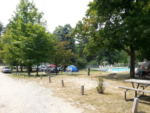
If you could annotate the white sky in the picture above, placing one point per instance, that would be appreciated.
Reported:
(56, 12)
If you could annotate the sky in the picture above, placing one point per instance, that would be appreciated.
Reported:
(56, 12)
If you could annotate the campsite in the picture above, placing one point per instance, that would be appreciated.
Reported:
(111, 101)
(89, 56)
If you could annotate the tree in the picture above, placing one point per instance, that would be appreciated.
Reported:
(5, 44)
(61, 55)
(62, 33)
(123, 25)
(1, 28)
(80, 34)
(36, 48)
(111, 56)
(27, 31)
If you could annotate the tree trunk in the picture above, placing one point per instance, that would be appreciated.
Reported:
(65, 67)
(56, 69)
(29, 68)
(132, 62)
(21, 68)
(17, 67)
(37, 70)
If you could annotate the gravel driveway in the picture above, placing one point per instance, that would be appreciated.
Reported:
(20, 96)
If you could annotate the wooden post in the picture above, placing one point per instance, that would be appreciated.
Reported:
(49, 79)
(88, 71)
(34, 76)
(82, 90)
(62, 83)
(135, 105)
(41, 76)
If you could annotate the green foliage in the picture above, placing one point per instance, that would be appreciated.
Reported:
(111, 56)
(1, 28)
(92, 62)
(117, 25)
(30, 43)
(100, 88)
(81, 62)
(120, 65)
(80, 34)
(62, 33)
(37, 44)
(61, 55)
(5, 44)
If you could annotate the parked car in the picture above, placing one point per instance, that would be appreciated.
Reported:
(6, 69)
(43, 68)
(51, 70)
(59, 68)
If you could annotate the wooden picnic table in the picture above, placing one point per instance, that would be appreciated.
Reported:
(142, 83)
(138, 81)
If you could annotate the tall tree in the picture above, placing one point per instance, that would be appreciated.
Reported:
(26, 30)
(62, 33)
(37, 47)
(80, 34)
(123, 26)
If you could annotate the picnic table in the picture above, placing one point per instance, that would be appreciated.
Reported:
(135, 85)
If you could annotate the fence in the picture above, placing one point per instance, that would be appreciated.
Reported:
(111, 68)
(91, 66)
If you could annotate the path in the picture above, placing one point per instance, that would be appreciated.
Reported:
(20, 96)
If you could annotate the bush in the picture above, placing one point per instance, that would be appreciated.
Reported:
(93, 62)
(81, 63)
(100, 88)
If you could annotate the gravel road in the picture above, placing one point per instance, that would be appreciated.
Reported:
(20, 96)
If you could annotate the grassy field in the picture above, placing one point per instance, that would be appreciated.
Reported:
(112, 101)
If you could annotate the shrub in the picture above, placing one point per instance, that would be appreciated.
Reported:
(100, 88)
(93, 62)
(81, 62)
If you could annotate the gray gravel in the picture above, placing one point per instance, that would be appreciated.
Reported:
(19, 96)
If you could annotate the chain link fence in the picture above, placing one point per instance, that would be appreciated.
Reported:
(111, 67)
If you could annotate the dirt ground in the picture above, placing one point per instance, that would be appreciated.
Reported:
(112, 101)
(23, 96)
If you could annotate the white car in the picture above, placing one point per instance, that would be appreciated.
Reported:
(41, 68)
(6, 70)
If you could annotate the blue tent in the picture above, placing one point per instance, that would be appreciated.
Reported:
(71, 68)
